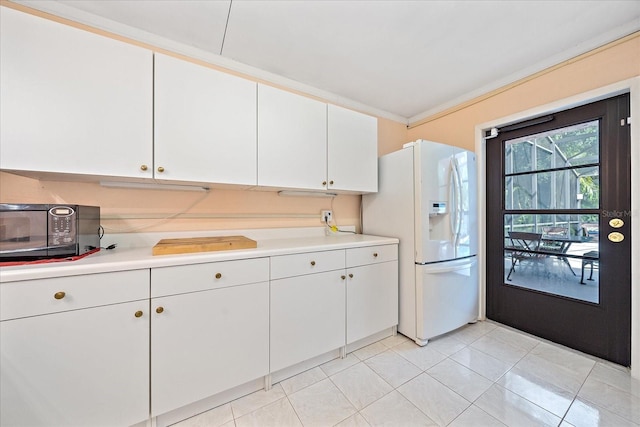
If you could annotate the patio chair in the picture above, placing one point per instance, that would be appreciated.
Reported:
(590, 258)
(524, 247)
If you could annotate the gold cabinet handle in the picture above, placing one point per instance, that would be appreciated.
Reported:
(375, 254)
(313, 263)
(324, 183)
(144, 167)
(343, 277)
(59, 295)
(159, 310)
(138, 313)
(218, 275)
(350, 275)
(160, 169)
(331, 182)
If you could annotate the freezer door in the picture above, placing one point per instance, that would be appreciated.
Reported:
(446, 297)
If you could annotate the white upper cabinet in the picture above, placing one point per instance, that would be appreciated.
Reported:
(352, 150)
(292, 140)
(204, 124)
(72, 101)
(75, 102)
(307, 144)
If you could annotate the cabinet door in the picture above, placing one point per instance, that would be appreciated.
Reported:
(72, 101)
(86, 367)
(203, 343)
(372, 299)
(307, 317)
(292, 140)
(205, 124)
(352, 150)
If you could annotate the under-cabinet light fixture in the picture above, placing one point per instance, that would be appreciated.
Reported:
(152, 186)
(297, 193)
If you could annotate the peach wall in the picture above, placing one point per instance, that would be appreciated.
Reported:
(134, 210)
(391, 136)
(614, 62)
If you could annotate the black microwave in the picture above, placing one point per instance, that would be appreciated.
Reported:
(34, 232)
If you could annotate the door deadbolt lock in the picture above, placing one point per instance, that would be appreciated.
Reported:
(616, 223)
(616, 237)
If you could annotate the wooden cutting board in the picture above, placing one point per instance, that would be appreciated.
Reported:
(202, 244)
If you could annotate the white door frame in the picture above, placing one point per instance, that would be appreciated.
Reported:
(633, 87)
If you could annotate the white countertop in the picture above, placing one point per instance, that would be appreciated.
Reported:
(121, 259)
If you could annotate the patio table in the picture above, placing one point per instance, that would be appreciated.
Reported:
(565, 243)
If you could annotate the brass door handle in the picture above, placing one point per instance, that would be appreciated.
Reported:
(160, 169)
(218, 275)
(313, 263)
(350, 275)
(616, 223)
(343, 277)
(616, 237)
(159, 310)
(138, 313)
(59, 295)
(144, 167)
(375, 254)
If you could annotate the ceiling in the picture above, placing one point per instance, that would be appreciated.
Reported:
(399, 59)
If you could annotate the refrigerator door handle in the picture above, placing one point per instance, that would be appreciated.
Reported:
(454, 200)
(456, 169)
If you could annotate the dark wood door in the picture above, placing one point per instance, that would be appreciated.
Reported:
(565, 181)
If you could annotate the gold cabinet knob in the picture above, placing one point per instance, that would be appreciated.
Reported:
(144, 167)
(331, 182)
(59, 295)
(160, 169)
(350, 275)
(375, 254)
(324, 183)
(138, 313)
(343, 277)
(313, 263)
(159, 310)
(218, 275)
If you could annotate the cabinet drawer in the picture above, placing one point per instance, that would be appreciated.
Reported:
(200, 277)
(43, 296)
(371, 255)
(307, 263)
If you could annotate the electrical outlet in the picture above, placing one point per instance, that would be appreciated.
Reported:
(326, 216)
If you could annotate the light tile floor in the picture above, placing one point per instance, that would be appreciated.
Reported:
(480, 375)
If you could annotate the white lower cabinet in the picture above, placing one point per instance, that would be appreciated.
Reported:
(82, 367)
(322, 301)
(117, 348)
(206, 342)
(372, 299)
(307, 317)
(372, 290)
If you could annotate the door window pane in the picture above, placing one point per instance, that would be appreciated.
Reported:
(553, 253)
(577, 188)
(571, 146)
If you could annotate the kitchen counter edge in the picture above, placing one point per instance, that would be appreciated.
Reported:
(141, 258)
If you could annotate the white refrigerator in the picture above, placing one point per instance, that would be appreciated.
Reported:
(427, 198)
